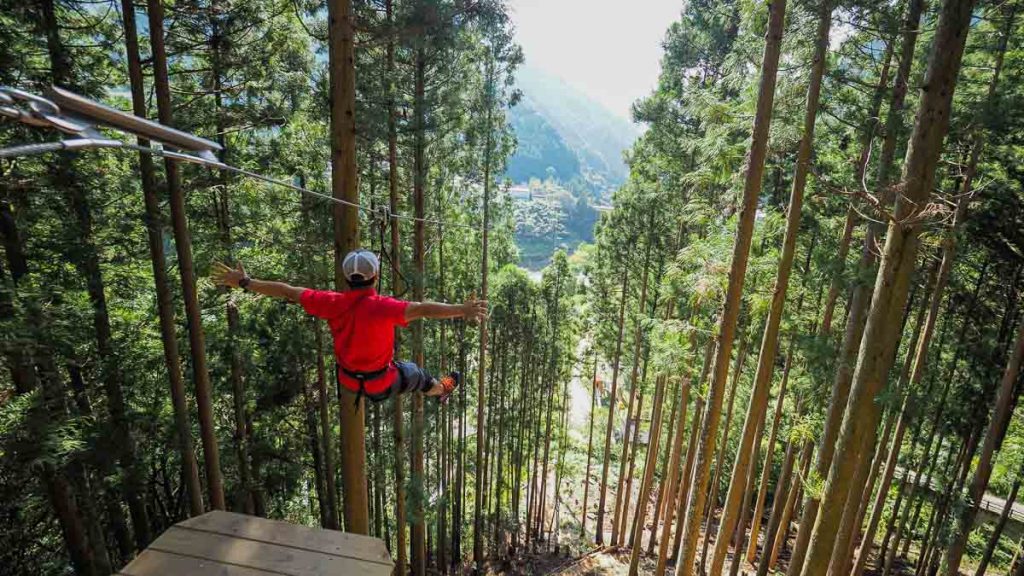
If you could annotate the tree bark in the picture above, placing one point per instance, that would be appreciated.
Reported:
(590, 452)
(659, 504)
(737, 369)
(183, 244)
(878, 346)
(164, 300)
(674, 478)
(997, 532)
(993, 438)
(769, 456)
(645, 487)
(737, 276)
(478, 542)
(621, 509)
(599, 539)
(859, 300)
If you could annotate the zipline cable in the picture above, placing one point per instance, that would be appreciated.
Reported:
(39, 112)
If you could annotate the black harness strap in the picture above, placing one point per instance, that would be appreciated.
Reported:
(363, 378)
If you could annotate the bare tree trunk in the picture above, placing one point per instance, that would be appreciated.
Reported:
(686, 484)
(599, 539)
(417, 527)
(993, 438)
(779, 502)
(625, 480)
(645, 487)
(859, 300)
(590, 452)
(674, 478)
(880, 339)
(740, 533)
(659, 504)
(397, 287)
(478, 541)
(737, 276)
(997, 532)
(769, 456)
(344, 186)
(164, 299)
(183, 244)
(791, 501)
(770, 340)
(737, 369)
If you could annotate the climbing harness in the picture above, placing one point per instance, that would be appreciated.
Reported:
(362, 378)
(81, 119)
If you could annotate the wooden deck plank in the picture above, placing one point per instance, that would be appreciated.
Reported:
(285, 534)
(271, 557)
(158, 563)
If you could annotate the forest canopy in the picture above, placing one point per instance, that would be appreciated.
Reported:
(794, 343)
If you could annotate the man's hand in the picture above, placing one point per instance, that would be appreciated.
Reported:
(223, 275)
(474, 310)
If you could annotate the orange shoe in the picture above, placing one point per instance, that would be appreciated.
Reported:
(448, 385)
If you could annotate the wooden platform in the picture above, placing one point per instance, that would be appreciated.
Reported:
(226, 544)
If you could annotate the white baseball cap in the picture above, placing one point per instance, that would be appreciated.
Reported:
(360, 266)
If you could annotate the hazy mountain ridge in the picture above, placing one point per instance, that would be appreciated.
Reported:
(559, 127)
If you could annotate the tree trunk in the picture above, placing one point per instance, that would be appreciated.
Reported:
(164, 300)
(183, 244)
(659, 504)
(648, 479)
(417, 528)
(686, 483)
(859, 300)
(779, 501)
(737, 369)
(769, 457)
(86, 259)
(993, 438)
(344, 187)
(621, 508)
(590, 452)
(870, 130)
(397, 287)
(1004, 401)
(997, 532)
(739, 537)
(632, 467)
(737, 276)
(611, 414)
(674, 478)
(770, 340)
(324, 405)
(478, 539)
(892, 461)
(794, 496)
(880, 339)
(316, 449)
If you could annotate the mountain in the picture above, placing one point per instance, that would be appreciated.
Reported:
(560, 128)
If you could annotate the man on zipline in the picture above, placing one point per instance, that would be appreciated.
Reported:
(363, 325)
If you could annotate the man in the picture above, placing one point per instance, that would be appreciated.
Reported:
(363, 325)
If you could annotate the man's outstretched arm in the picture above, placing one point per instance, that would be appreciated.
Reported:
(472, 310)
(235, 277)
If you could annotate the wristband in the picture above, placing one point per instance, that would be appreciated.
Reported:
(244, 283)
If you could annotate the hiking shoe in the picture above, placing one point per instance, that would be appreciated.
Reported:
(448, 384)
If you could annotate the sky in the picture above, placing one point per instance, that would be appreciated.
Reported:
(611, 51)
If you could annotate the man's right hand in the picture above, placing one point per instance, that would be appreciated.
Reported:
(474, 310)
(224, 275)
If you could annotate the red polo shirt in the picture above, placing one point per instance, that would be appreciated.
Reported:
(363, 326)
